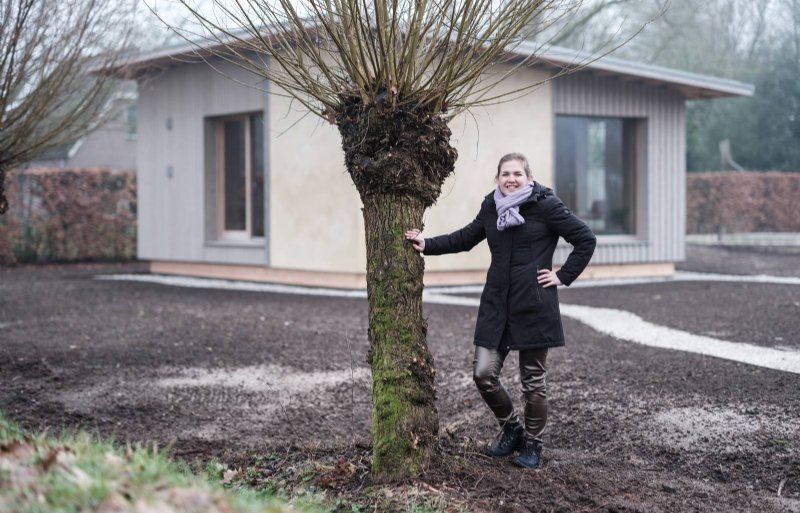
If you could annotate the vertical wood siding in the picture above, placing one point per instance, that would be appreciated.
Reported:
(172, 210)
(662, 197)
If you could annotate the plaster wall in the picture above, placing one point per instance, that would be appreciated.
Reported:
(315, 211)
(324, 231)
(524, 125)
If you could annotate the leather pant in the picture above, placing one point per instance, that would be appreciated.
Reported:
(486, 369)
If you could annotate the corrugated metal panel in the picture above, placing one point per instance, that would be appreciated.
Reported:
(680, 248)
(661, 236)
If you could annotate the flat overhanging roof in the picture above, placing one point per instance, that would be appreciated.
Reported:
(691, 85)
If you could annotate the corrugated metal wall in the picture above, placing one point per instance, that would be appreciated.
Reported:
(661, 190)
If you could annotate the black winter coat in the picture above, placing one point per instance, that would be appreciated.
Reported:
(515, 311)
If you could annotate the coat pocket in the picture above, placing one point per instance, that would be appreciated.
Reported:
(526, 294)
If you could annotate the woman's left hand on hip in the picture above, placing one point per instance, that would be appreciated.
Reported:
(548, 278)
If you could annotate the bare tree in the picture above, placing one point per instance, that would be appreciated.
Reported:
(754, 41)
(678, 34)
(47, 95)
(390, 74)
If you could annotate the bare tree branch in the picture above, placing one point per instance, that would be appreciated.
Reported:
(52, 83)
(423, 54)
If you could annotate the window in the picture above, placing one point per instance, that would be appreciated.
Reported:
(240, 176)
(596, 170)
(131, 121)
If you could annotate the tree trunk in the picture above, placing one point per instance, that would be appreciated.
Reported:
(404, 418)
(3, 199)
(398, 161)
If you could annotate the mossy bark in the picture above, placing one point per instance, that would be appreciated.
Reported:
(398, 161)
(3, 199)
(404, 417)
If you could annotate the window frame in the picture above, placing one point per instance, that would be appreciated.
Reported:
(218, 125)
(636, 156)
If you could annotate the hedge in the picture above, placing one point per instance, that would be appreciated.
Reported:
(734, 202)
(67, 215)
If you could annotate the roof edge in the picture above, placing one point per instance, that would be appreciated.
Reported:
(702, 85)
(711, 85)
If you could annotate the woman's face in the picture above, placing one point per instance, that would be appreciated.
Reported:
(511, 177)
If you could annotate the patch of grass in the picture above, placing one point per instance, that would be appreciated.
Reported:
(10, 432)
(76, 473)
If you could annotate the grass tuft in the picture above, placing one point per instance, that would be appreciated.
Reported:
(75, 472)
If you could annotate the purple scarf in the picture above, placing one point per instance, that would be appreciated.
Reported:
(508, 206)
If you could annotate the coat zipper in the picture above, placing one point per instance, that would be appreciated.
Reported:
(538, 294)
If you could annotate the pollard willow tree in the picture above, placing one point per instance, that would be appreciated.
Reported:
(390, 74)
(48, 97)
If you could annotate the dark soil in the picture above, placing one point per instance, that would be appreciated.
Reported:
(762, 314)
(278, 385)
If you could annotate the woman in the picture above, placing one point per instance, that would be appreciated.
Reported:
(522, 221)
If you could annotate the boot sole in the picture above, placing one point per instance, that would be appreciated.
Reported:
(499, 455)
(522, 465)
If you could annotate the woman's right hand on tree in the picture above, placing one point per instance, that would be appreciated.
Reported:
(415, 236)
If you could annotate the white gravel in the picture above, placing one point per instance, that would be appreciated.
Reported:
(703, 428)
(261, 378)
(627, 326)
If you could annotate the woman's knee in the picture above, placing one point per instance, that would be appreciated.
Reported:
(485, 379)
(486, 369)
(534, 384)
